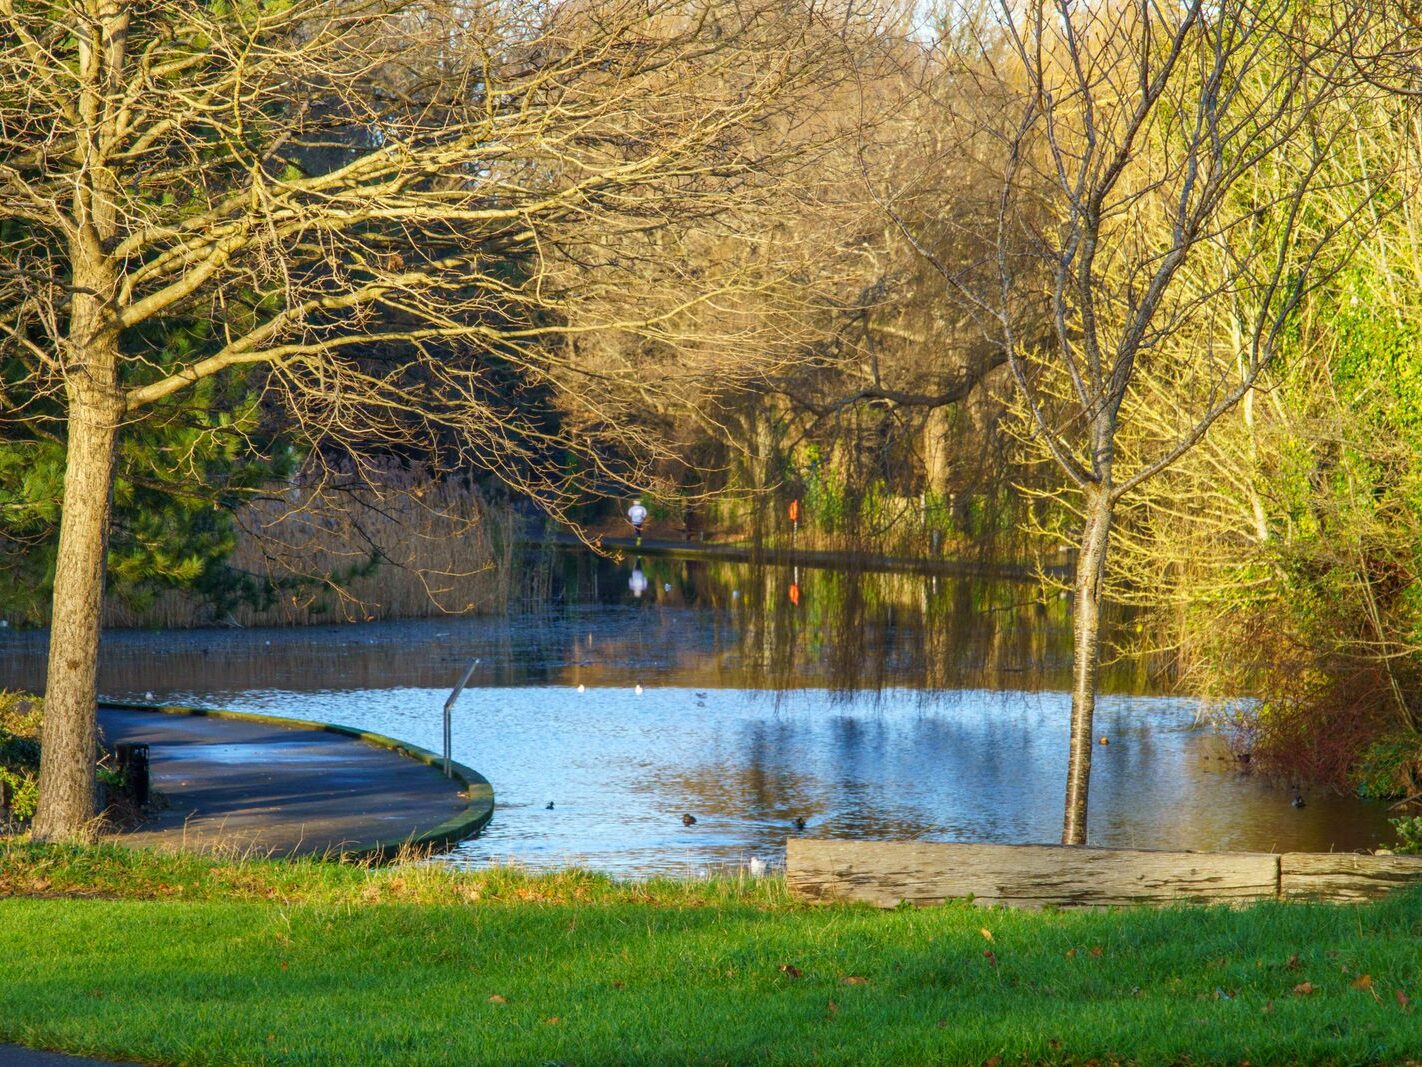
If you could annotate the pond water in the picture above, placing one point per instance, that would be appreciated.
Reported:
(872, 706)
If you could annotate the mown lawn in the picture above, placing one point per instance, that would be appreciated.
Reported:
(271, 963)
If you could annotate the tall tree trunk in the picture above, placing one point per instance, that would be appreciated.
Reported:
(69, 735)
(90, 355)
(761, 467)
(937, 451)
(763, 455)
(1086, 658)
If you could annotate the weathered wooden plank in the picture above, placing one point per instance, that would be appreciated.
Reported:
(1344, 876)
(1029, 876)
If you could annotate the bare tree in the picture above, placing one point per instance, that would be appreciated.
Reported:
(896, 386)
(387, 210)
(1130, 229)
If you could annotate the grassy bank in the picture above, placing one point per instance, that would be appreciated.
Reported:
(185, 960)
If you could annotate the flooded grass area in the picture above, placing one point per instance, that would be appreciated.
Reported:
(871, 706)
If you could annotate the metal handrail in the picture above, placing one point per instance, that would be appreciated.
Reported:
(448, 707)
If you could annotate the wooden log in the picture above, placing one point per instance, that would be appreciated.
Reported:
(1025, 876)
(1343, 876)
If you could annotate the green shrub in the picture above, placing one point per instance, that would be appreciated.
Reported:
(20, 715)
(1409, 835)
(1388, 767)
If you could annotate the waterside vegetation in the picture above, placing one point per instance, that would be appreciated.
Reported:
(20, 718)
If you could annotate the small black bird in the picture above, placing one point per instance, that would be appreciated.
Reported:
(688, 820)
(548, 806)
(1298, 800)
(799, 822)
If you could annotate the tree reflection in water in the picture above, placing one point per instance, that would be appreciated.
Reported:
(852, 630)
(881, 706)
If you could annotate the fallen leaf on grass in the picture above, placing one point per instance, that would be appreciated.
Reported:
(986, 933)
(1402, 999)
(1071, 953)
(494, 998)
(619, 985)
(992, 1061)
(854, 979)
(552, 1020)
(789, 970)
(1363, 981)
(988, 954)
(1293, 963)
(1096, 951)
(1304, 989)
(830, 1009)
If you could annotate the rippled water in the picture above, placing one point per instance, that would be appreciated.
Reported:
(980, 759)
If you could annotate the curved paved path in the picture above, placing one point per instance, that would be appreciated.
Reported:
(19, 1056)
(267, 788)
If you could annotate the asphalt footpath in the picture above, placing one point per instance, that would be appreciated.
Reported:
(261, 789)
(16, 1056)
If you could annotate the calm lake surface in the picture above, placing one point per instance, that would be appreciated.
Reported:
(873, 706)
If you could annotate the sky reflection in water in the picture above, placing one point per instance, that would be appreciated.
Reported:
(913, 759)
(974, 765)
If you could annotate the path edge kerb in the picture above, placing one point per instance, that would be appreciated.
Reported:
(459, 827)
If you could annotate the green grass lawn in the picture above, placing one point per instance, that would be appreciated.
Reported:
(310, 963)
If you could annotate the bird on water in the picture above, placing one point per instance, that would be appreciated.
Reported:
(799, 822)
(548, 806)
(688, 820)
